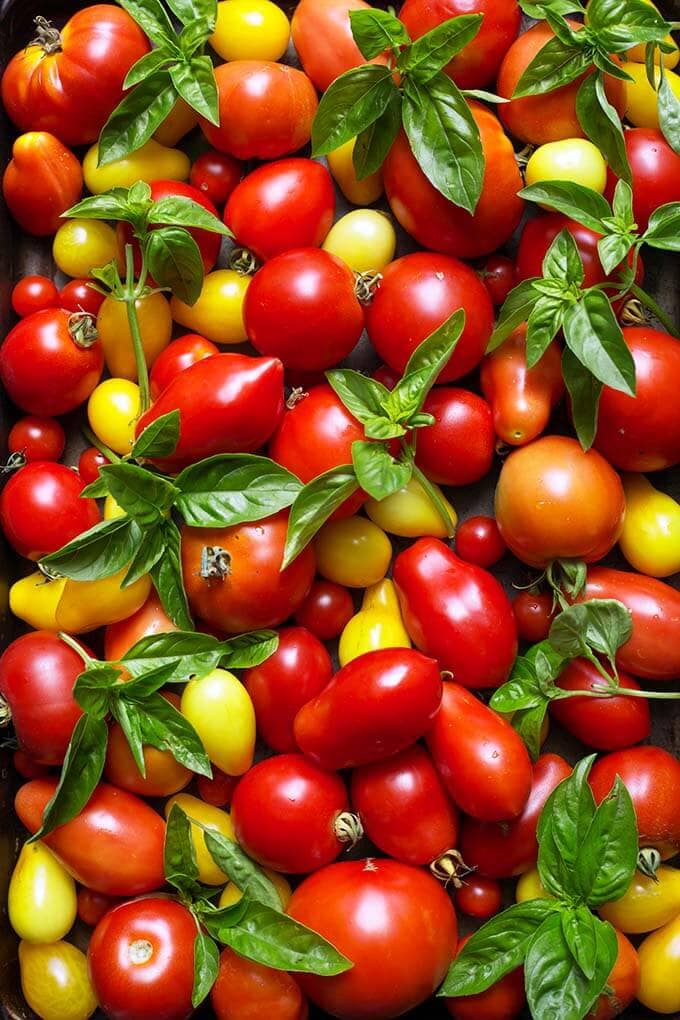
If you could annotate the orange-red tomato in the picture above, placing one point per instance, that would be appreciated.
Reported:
(622, 984)
(323, 39)
(164, 775)
(245, 990)
(42, 180)
(150, 619)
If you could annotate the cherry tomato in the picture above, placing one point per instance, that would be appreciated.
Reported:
(575, 160)
(623, 983)
(250, 30)
(182, 353)
(218, 790)
(34, 294)
(37, 438)
(655, 170)
(352, 551)
(78, 296)
(479, 541)
(498, 276)
(363, 238)
(41, 181)
(479, 896)
(220, 710)
(504, 1000)
(323, 39)
(112, 411)
(81, 245)
(215, 175)
(218, 312)
(458, 449)
(93, 905)
(326, 611)
(89, 463)
(534, 612)
(245, 990)
(604, 723)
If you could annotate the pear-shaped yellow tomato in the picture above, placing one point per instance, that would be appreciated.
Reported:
(410, 512)
(178, 123)
(642, 102)
(382, 595)
(219, 708)
(575, 160)
(112, 509)
(363, 238)
(155, 327)
(112, 411)
(81, 245)
(341, 165)
(55, 981)
(353, 552)
(659, 969)
(42, 896)
(76, 606)
(639, 53)
(530, 887)
(250, 30)
(650, 539)
(213, 818)
(647, 903)
(370, 630)
(218, 313)
(232, 894)
(151, 162)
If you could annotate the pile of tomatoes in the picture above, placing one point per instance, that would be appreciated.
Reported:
(351, 757)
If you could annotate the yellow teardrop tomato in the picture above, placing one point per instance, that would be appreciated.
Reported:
(34, 599)
(639, 55)
(112, 509)
(151, 162)
(82, 245)
(646, 904)
(575, 160)
(370, 630)
(364, 238)
(353, 552)
(340, 164)
(178, 123)
(530, 887)
(650, 539)
(659, 967)
(250, 30)
(112, 411)
(155, 327)
(42, 901)
(219, 708)
(232, 894)
(382, 595)
(213, 818)
(55, 981)
(641, 100)
(76, 606)
(218, 313)
(410, 512)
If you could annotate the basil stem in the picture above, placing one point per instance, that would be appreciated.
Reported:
(97, 443)
(435, 498)
(131, 293)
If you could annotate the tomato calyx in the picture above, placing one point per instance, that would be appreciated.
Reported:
(633, 313)
(82, 328)
(450, 867)
(348, 828)
(648, 862)
(366, 285)
(215, 563)
(5, 712)
(46, 36)
(244, 261)
(140, 952)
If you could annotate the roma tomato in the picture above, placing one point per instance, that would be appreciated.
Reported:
(215, 175)
(326, 611)
(374, 706)
(55, 981)
(155, 327)
(51, 361)
(295, 673)
(575, 160)
(245, 990)
(352, 551)
(37, 438)
(34, 294)
(437, 223)
(41, 899)
(498, 276)
(282, 205)
(556, 501)
(182, 353)
(41, 181)
(647, 904)
(457, 613)
(534, 612)
(659, 955)
(150, 619)
(151, 160)
(141, 960)
(479, 541)
(78, 296)
(502, 1001)
(220, 710)
(164, 775)
(250, 30)
(458, 449)
(479, 896)
(404, 808)
(416, 295)
(655, 170)
(399, 958)
(623, 983)
(607, 723)
(266, 110)
(323, 39)
(115, 844)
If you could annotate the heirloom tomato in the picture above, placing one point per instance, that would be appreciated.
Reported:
(655, 171)
(175, 125)
(458, 449)
(150, 161)
(575, 160)
(341, 165)
(411, 512)
(41, 181)
(55, 981)
(150, 619)
(245, 990)
(37, 438)
(606, 723)
(323, 39)
(215, 175)
(81, 245)
(34, 294)
(164, 774)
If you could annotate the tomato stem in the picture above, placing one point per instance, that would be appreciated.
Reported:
(626, 692)
(131, 294)
(436, 499)
(102, 447)
(655, 309)
(72, 643)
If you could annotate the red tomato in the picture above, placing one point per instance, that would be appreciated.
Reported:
(556, 501)
(655, 170)
(499, 277)
(41, 509)
(248, 589)
(89, 462)
(550, 116)
(78, 296)
(179, 355)
(323, 39)
(533, 614)
(437, 223)
(150, 619)
(502, 1001)
(164, 775)
(623, 982)
(41, 181)
(218, 790)
(245, 990)
(215, 175)
(606, 724)
(51, 361)
(282, 205)
(27, 767)
(500, 851)
(295, 673)
(44, 85)
(416, 295)
(37, 673)
(396, 924)
(458, 449)
(404, 808)
(479, 896)
(115, 844)
(93, 905)
(266, 109)
(301, 308)
(230, 403)
(326, 610)
(37, 438)
(376, 705)
(141, 961)
(479, 541)
(476, 65)
(642, 433)
(33, 294)
(652, 777)
(456, 612)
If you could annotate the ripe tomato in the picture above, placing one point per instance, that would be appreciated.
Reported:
(112, 411)
(606, 724)
(498, 276)
(555, 501)
(180, 354)
(141, 960)
(623, 983)
(363, 238)
(399, 958)
(81, 245)
(218, 312)
(647, 904)
(250, 30)
(218, 790)
(326, 610)
(533, 614)
(282, 205)
(458, 449)
(655, 170)
(502, 1001)
(575, 160)
(352, 551)
(155, 327)
(479, 541)
(323, 39)
(150, 619)
(479, 896)
(164, 775)
(89, 462)
(33, 294)
(658, 956)
(93, 905)
(51, 361)
(245, 990)
(55, 982)
(416, 295)
(27, 767)
(41, 181)
(215, 175)
(437, 223)
(78, 296)
(37, 438)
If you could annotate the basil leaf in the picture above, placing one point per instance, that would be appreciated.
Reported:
(148, 554)
(159, 438)
(600, 625)
(145, 683)
(152, 18)
(194, 35)
(602, 125)
(563, 261)
(377, 471)
(146, 66)
(578, 203)
(423, 369)
(555, 64)
(179, 855)
(433, 51)
(376, 31)
(188, 10)
(136, 117)
(95, 489)
(231, 488)
(538, 10)
(163, 727)
(191, 654)
(608, 857)
(206, 967)
(175, 262)
(112, 205)
(643, 20)
(127, 716)
(593, 334)
(176, 211)
(584, 395)
(543, 325)
(516, 310)
(242, 871)
(375, 141)
(249, 649)
(313, 506)
(92, 687)
(444, 139)
(669, 115)
(363, 397)
(484, 96)
(101, 551)
(351, 103)
(528, 724)
(622, 204)
(663, 230)
(195, 83)
(383, 428)
(578, 928)
(144, 496)
(613, 249)
(167, 578)
(520, 691)
(565, 818)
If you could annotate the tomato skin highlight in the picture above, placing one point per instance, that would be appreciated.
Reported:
(459, 448)
(606, 724)
(34, 294)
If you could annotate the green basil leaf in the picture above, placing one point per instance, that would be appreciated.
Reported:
(351, 103)
(608, 857)
(563, 261)
(242, 871)
(613, 250)
(146, 683)
(599, 625)
(167, 578)
(152, 18)
(136, 117)
(195, 83)
(433, 51)
(663, 230)
(484, 96)
(538, 10)
(92, 687)
(554, 65)
(159, 438)
(562, 29)
(146, 66)
(644, 22)
(190, 653)
(543, 325)
(249, 649)
(567, 815)
(516, 310)
(363, 397)
(376, 31)
(179, 855)
(602, 124)
(622, 204)
(206, 967)
(101, 551)
(375, 141)
(377, 471)
(383, 428)
(579, 930)
(444, 139)
(177, 211)
(619, 40)
(592, 332)
(189, 10)
(528, 724)
(423, 369)
(669, 115)
(175, 262)
(143, 495)
(194, 35)
(314, 505)
(231, 488)
(108, 274)
(96, 489)
(584, 394)
(111, 205)
(520, 691)
(163, 727)
(148, 554)
(127, 716)
(578, 203)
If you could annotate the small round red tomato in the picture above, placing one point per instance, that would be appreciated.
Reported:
(245, 990)
(33, 294)
(37, 438)
(282, 205)
(27, 767)
(623, 982)
(499, 277)
(479, 896)
(655, 170)
(533, 613)
(396, 923)
(93, 905)
(180, 354)
(51, 361)
(89, 462)
(323, 40)
(502, 1001)
(416, 295)
(326, 610)
(215, 175)
(141, 960)
(41, 509)
(295, 673)
(218, 789)
(458, 449)
(78, 296)
(479, 541)
(607, 723)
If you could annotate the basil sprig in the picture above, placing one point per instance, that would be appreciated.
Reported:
(587, 857)
(367, 103)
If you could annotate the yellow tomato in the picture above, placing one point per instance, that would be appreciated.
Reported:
(151, 162)
(650, 539)
(659, 967)
(55, 981)
(638, 53)
(352, 551)
(42, 896)
(80, 246)
(530, 887)
(218, 313)
(155, 327)
(179, 122)
(370, 630)
(575, 160)
(364, 238)
(641, 100)
(382, 595)
(250, 30)
(112, 509)
(410, 512)
(112, 410)
(213, 818)
(232, 894)
(340, 164)
(647, 904)
(219, 708)
(76, 606)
